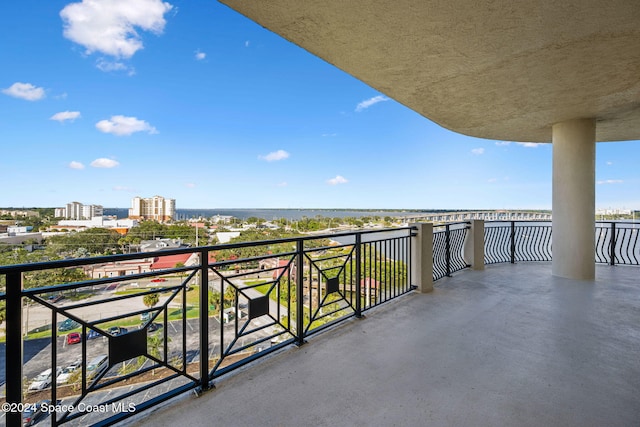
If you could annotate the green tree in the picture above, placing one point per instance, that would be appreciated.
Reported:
(151, 300)
(229, 296)
(214, 300)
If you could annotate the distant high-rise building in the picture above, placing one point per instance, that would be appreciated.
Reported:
(157, 208)
(76, 210)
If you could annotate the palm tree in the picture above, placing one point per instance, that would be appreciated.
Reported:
(150, 300)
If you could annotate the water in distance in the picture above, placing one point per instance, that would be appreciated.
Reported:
(270, 214)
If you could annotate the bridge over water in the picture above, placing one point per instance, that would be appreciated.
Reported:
(485, 215)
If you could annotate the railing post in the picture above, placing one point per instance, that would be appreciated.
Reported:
(300, 293)
(447, 236)
(474, 245)
(512, 242)
(358, 275)
(612, 241)
(204, 320)
(422, 257)
(14, 349)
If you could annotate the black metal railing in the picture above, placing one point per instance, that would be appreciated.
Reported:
(164, 331)
(512, 241)
(618, 243)
(156, 333)
(448, 249)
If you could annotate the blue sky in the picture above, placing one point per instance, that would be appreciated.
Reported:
(104, 100)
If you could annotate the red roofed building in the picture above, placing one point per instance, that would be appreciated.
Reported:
(369, 287)
(170, 261)
(284, 270)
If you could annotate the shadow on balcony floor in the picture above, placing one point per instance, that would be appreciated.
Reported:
(508, 346)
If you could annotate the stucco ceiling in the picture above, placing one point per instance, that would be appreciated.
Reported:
(502, 69)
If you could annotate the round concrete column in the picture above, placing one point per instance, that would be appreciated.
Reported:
(574, 158)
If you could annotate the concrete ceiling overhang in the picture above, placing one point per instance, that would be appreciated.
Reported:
(503, 69)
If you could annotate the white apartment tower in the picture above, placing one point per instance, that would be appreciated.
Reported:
(77, 211)
(156, 208)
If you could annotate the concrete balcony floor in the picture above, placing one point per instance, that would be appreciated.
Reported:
(508, 346)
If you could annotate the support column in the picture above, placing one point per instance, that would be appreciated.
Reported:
(422, 257)
(574, 157)
(474, 245)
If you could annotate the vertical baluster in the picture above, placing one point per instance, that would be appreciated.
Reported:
(612, 242)
(204, 322)
(358, 276)
(513, 242)
(14, 350)
(447, 251)
(300, 293)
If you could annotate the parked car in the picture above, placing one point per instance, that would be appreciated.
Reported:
(73, 338)
(55, 298)
(43, 380)
(35, 412)
(152, 327)
(93, 334)
(117, 330)
(97, 365)
(145, 316)
(158, 279)
(64, 376)
(67, 325)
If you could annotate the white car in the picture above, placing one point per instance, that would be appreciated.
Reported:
(65, 374)
(43, 380)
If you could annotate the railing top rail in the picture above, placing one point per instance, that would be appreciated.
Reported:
(508, 221)
(76, 262)
(437, 228)
(619, 222)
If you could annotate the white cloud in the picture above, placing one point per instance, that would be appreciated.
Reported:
(609, 163)
(330, 135)
(337, 180)
(190, 185)
(275, 156)
(121, 125)
(104, 163)
(246, 43)
(65, 115)
(477, 151)
(111, 26)
(76, 165)
(369, 102)
(524, 144)
(200, 55)
(107, 66)
(492, 180)
(610, 181)
(24, 91)
(283, 184)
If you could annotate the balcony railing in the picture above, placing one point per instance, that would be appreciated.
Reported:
(165, 332)
(448, 248)
(512, 241)
(617, 243)
(203, 318)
